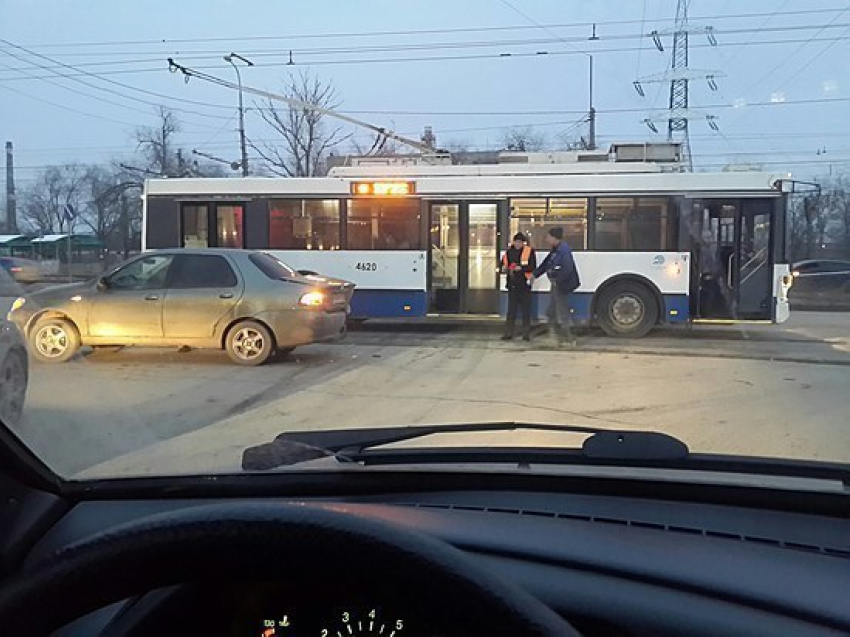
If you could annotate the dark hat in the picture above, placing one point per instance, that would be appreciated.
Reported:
(520, 237)
(556, 232)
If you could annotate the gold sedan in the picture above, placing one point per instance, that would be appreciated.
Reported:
(246, 302)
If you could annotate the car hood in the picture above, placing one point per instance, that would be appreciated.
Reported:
(59, 292)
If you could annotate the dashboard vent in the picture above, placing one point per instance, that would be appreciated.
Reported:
(642, 524)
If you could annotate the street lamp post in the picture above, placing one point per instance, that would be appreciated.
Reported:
(231, 59)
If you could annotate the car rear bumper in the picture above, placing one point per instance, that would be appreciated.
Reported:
(303, 327)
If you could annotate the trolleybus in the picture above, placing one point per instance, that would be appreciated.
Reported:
(651, 246)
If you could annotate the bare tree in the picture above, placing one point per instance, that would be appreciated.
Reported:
(103, 190)
(840, 209)
(523, 139)
(44, 202)
(305, 136)
(157, 143)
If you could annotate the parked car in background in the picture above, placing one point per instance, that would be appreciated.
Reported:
(821, 283)
(21, 270)
(14, 373)
(247, 302)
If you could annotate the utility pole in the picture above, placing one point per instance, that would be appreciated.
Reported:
(11, 212)
(678, 103)
(230, 58)
(591, 113)
(679, 76)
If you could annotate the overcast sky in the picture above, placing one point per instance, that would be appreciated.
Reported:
(105, 59)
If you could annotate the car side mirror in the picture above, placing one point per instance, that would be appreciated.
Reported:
(102, 284)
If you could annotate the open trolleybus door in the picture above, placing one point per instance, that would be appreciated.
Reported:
(734, 256)
(463, 254)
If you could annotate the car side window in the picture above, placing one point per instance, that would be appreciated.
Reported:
(147, 273)
(203, 271)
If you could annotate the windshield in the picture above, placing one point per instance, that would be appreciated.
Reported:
(222, 224)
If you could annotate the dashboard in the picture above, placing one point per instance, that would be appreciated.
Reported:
(328, 607)
(608, 564)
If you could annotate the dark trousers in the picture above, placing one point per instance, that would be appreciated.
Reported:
(558, 315)
(519, 298)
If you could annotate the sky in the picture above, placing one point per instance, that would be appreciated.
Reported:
(78, 78)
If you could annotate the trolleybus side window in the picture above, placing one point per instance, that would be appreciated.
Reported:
(655, 224)
(384, 224)
(304, 224)
(639, 224)
(534, 217)
(195, 226)
(229, 225)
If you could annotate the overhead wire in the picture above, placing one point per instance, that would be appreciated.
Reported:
(504, 55)
(65, 107)
(782, 63)
(642, 36)
(89, 95)
(361, 34)
(109, 81)
(812, 60)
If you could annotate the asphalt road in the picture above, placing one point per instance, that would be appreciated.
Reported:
(766, 390)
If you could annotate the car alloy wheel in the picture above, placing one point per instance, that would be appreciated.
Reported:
(248, 343)
(52, 340)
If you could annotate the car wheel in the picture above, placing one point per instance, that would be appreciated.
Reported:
(13, 386)
(54, 340)
(249, 343)
(626, 309)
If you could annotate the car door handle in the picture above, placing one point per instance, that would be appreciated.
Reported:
(152, 297)
(225, 295)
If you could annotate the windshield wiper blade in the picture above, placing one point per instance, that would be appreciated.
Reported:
(351, 445)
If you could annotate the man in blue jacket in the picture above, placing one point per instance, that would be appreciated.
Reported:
(560, 267)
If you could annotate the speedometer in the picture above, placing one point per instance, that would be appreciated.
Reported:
(366, 622)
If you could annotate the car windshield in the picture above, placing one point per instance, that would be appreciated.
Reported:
(237, 239)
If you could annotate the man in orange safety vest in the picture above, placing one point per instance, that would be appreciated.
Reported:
(518, 263)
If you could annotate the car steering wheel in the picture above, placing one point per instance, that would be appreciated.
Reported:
(247, 541)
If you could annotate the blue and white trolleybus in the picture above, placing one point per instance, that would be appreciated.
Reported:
(651, 246)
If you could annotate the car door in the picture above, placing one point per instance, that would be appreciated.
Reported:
(203, 291)
(128, 307)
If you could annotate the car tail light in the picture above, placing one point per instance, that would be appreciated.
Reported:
(313, 299)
